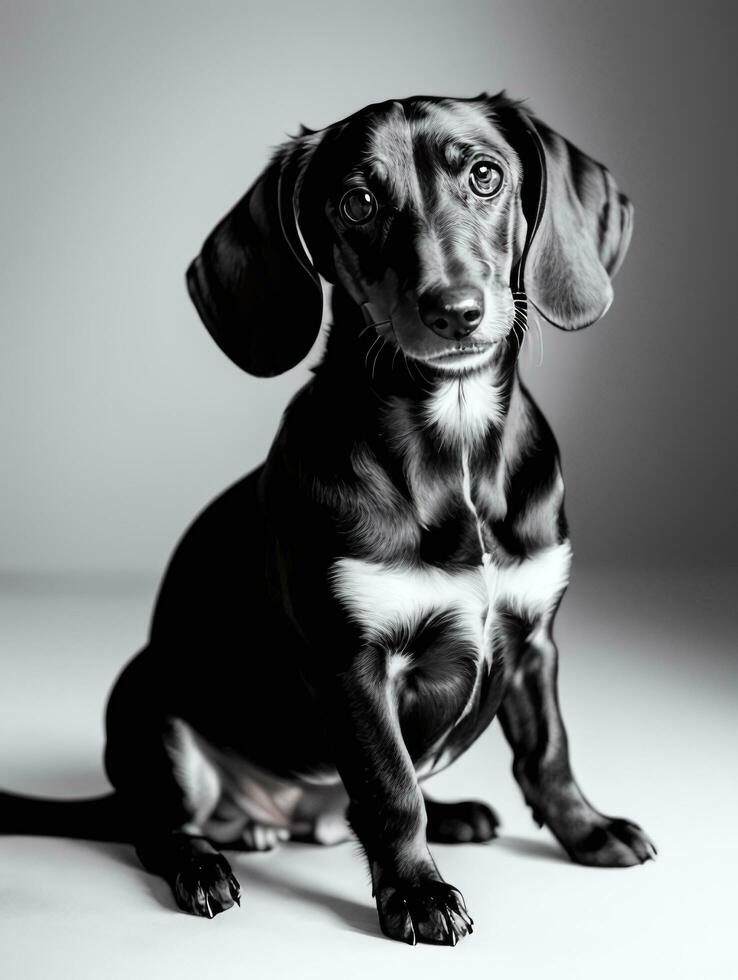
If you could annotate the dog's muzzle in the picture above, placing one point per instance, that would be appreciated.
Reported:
(452, 313)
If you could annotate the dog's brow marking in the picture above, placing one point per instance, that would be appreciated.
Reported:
(392, 150)
(467, 127)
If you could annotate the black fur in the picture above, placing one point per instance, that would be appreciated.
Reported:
(254, 658)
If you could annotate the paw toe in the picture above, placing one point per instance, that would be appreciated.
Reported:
(262, 837)
(206, 887)
(433, 913)
(615, 843)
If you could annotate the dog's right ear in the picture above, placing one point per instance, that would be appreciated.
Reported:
(253, 283)
(579, 224)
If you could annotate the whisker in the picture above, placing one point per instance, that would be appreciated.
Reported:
(519, 329)
(374, 324)
(422, 375)
(411, 365)
(378, 354)
(537, 323)
(366, 359)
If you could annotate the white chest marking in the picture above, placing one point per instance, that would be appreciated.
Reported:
(466, 490)
(383, 598)
(463, 409)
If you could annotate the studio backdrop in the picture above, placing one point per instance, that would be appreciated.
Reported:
(129, 129)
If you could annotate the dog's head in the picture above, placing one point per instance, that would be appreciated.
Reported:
(437, 216)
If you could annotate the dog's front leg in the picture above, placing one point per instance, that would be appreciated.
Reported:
(532, 722)
(387, 811)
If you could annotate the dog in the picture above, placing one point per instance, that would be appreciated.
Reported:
(347, 619)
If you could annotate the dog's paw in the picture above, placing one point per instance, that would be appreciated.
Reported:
(612, 843)
(263, 837)
(460, 823)
(205, 885)
(433, 912)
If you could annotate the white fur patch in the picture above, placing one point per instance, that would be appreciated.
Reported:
(466, 490)
(382, 598)
(398, 664)
(195, 774)
(533, 585)
(463, 409)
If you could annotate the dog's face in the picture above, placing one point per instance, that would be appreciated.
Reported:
(426, 221)
(438, 217)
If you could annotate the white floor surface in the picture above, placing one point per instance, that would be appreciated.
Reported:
(649, 695)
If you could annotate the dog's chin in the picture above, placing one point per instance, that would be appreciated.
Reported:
(479, 351)
(464, 359)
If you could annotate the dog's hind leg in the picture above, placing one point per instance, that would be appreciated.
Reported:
(168, 790)
(200, 877)
(320, 816)
(531, 719)
(467, 822)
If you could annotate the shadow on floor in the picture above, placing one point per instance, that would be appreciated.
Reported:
(355, 916)
(282, 880)
(537, 849)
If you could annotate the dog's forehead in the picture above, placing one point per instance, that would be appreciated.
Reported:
(443, 131)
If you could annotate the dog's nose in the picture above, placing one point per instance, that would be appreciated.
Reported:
(452, 313)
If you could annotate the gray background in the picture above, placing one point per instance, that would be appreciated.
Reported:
(127, 130)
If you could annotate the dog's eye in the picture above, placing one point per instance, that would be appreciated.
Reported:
(485, 178)
(358, 206)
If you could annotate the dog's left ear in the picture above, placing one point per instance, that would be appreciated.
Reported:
(253, 283)
(579, 224)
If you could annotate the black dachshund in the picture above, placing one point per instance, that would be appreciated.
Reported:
(348, 619)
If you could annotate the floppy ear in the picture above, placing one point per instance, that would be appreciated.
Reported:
(579, 224)
(253, 283)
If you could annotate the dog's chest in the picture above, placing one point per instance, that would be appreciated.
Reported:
(392, 602)
(453, 469)
(458, 571)
(438, 630)
(437, 607)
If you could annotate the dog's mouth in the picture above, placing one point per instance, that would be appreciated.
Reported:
(460, 352)
(462, 358)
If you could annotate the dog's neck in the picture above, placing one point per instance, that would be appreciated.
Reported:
(451, 410)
